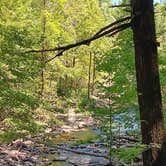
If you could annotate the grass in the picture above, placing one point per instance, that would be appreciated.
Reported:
(8, 136)
(86, 137)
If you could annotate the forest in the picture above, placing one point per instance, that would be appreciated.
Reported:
(82, 82)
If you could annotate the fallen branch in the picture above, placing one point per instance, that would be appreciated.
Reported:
(129, 138)
(79, 152)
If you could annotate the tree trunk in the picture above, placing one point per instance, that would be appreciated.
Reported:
(74, 62)
(100, 3)
(94, 73)
(89, 74)
(148, 84)
(43, 56)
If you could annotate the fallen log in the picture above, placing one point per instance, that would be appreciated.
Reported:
(79, 152)
(129, 138)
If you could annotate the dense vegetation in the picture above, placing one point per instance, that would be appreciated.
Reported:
(97, 80)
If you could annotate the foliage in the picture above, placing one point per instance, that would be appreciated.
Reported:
(33, 24)
(128, 155)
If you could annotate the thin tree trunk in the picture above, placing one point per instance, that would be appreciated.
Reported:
(42, 83)
(148, 84)
(89, 74)
(100, 3)
(74, 62)
(50, 82)
(43, 56)
(94, 73)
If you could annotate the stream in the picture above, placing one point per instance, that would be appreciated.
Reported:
(79, 142)
(74, 152)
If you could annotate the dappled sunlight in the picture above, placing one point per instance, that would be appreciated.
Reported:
(80, 82)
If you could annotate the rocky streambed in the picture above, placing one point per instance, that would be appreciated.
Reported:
(65, 149)
(78, 143)
(29, 152)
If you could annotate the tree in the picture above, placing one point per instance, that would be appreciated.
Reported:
(148, 84)
(43, 56)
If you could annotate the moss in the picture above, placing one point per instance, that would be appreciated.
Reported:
(76, 138)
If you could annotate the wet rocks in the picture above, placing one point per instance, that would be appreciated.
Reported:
(61, 158)
(82, 146)
(89, 161)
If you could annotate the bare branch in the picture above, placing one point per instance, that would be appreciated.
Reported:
(108, 31)
(112, 24)
(122, 27)
(119, 30)
(84, 42)
(126, 10)
(57, 55)
(123, 5)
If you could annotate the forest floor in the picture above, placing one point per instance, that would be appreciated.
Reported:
(78, 142)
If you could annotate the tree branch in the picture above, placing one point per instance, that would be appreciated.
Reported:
(126, 10)
(112, 24)
(123, 5)
(84, 42)
(110, 33)
(57, 55)
(118, 30)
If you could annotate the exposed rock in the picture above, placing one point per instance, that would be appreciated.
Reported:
(99, 151)
(28, 163)
(29, 143)
(61, 158)
(18, 144)
(88, 160)
(82, 146)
